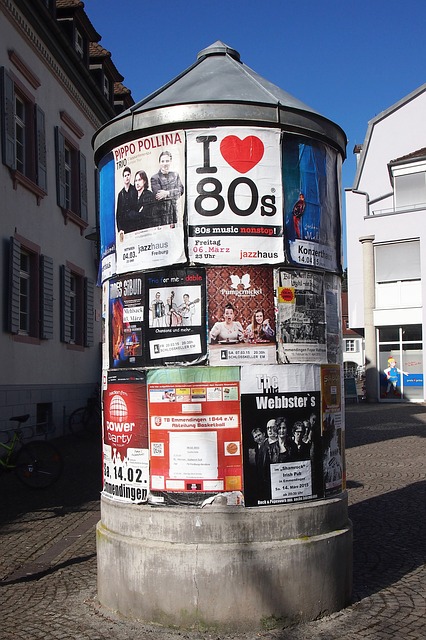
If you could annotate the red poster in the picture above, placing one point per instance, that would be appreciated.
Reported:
(125, 441)
(195, 430)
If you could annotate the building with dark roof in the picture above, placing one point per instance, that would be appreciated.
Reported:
(58, 86)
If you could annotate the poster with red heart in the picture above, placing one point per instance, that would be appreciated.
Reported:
(234, 196)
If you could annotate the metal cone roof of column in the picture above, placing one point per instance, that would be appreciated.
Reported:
(218, 89)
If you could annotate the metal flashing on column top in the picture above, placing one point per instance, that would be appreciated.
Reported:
(218, 88)
(220, 48)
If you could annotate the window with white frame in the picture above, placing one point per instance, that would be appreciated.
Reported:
(410, 190)
(409, 182)
(107, 87)
(351, 346)
(30, 291)
(23, 135)
(79, 43)
(397, 267)
(77, 307)
(71, 177)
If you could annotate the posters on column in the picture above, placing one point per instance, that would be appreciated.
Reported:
(234, 196)
(149, 188)
(175, 316)
(195, 431)
(301, 331)
(125, 441)
(280, 410)
(311, 204)
(126, 326)
(105, 326)
(241, 315)
(332, 429)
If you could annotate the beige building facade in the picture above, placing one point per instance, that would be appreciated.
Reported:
(58, 86)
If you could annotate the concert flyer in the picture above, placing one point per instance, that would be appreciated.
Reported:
(301, 332)
(241, 315)
(149, 201)
(280, 410)
(126, 321)
(125, 437)
(234, 200)
(175, 314)
(311, 204)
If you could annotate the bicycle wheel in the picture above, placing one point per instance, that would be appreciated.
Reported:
(76, 421)
(38, 464)
(92, 421)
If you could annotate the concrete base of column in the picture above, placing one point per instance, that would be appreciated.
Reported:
(225, 568)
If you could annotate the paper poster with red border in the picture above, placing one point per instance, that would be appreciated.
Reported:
(125, 437)
(195, 431)
(150, 201)
(333, 433)
(234, 199)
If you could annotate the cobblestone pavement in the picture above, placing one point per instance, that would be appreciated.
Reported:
(48, 561)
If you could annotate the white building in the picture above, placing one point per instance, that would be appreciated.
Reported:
(353, 345)
(57, 88)
(386, 236)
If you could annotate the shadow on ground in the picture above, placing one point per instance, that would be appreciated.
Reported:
(81, 482)
(389, 540)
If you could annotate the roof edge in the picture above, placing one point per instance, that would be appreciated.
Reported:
(372, 123)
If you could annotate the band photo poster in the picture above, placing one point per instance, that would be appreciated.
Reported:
(234, 198)
(175, 316)
(241, 315)
(280, 411)
(311, 204)
(125, 437)
(195, 431)
(150, 201)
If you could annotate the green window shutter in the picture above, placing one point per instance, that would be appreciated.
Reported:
(46, 298)
(65, 304)
(60, 167)
(14, 286)
(8, 120)
(89, 291)
(41, 148)
(83, 187)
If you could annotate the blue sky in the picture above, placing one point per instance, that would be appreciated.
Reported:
(347, 59)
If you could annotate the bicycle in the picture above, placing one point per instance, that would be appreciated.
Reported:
(86, 421)
(37, 464)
